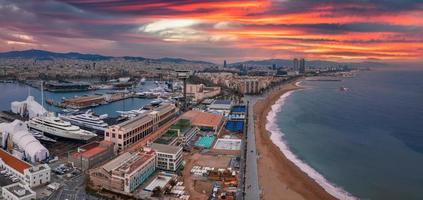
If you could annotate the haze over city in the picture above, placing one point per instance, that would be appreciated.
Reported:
(214, 30)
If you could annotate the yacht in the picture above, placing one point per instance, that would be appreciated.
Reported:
(86, 120)
(54, 126)
(142, 81)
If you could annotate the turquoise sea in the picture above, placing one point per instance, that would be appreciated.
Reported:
(364, 143)
(10, 92)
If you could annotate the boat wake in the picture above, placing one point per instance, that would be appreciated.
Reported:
(277, 138)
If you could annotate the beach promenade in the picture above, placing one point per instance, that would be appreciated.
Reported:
(252, 189)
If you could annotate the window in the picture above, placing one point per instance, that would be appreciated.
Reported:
(113, 135)
(107, 134)
(120, 136)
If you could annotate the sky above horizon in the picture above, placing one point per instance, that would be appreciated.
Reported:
(215, 30)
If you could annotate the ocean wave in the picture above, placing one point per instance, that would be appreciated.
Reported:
(276, 137)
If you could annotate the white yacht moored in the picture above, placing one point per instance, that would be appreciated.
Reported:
(54, 126)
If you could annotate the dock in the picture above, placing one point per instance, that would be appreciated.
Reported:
(83, 102)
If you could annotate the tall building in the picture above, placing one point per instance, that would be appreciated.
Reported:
(224, 64)
(302, 66)
(130, 132)
(295, 64)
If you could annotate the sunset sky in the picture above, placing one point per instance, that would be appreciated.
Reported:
(214, 30)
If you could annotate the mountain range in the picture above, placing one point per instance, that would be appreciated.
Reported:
(48, 55)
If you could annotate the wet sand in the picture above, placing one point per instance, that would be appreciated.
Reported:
(279, 178)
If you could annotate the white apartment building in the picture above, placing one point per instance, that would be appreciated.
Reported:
(17, 191)
(31, 175)
(168, 157)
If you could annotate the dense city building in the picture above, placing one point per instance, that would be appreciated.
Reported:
(18, 191)
(92, 154)
(130, 132)
(302, 66)
(125, 173)
(169, 157)
(199, 92)
(29, 174)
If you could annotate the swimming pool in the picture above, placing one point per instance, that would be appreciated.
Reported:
(205, 141)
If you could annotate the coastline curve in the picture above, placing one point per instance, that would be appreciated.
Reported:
(276, 136)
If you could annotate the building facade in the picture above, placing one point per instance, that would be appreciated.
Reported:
(169, 157)
(199, 92)
(125, 173)
(132, 131)
(92, 154)
(31, 175)
(302, 66)
(18, 191)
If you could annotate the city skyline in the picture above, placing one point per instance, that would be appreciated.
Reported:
(216, 30)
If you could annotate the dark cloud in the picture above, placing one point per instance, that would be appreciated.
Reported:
(343, 7)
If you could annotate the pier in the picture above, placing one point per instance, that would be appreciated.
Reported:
(93, 100)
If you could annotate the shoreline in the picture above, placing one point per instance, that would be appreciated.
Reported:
(287, 180)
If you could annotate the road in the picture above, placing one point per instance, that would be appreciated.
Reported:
(252, 190)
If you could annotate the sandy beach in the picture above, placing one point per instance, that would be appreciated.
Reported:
(279, 178)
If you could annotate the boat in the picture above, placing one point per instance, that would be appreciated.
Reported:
(344, 89)
(69, 110)
(87, 120)
(54, 126)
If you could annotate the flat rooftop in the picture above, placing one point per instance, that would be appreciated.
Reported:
(128, 161)
(160, 181)
(221, 101)
(134, 162)
(19, 190)
(206, 119)
(135, 122)
(15, 163)
(163, 148)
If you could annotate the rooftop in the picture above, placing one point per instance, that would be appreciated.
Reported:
(160, 181)
(135, 122)
(91, 149)
(199, 118)
(19, 190)
(163, 148)
(221, 101)
(128, 162)
(15, 163)
(144, 118)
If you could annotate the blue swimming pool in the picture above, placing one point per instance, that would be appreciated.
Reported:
(205, 141)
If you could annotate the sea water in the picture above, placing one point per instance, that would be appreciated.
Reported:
(10, 92)
(366, 142)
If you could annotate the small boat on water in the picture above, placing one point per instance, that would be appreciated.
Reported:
(343, 89)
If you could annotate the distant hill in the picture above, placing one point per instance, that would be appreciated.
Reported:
(310, 63)
(181, 61)
(48, 55)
